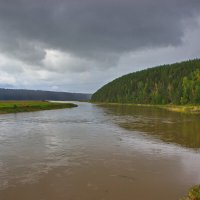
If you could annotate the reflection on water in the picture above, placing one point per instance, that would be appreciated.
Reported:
(170, 127)
(93, 152)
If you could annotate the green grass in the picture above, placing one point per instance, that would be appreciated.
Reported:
(30, 106)
(192, 109)
(193, 193)
(184, 109)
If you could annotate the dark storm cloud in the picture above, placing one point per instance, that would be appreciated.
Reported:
(91, 28)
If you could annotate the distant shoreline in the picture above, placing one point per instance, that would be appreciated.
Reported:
(31, 106)
(190, 109)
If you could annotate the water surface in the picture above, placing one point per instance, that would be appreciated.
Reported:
(98, 152)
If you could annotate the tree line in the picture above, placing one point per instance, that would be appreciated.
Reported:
(177, 83)
(19, 94)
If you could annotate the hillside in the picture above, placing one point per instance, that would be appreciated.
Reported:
(177, 83)
(14, 94)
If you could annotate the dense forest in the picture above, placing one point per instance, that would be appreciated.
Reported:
(13, 94)
(177, 83)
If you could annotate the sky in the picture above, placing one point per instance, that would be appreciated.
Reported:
(79, 45)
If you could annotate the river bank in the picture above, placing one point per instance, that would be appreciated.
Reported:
(193, 193)
(191, 109)
(30, 106)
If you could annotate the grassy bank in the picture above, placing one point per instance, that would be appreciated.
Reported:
(30, 106)
(193, 109)
(193, 193)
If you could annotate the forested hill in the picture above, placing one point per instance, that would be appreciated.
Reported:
(14, 94)
(177, 83)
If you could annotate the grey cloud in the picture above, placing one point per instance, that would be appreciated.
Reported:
(91, 28)
(28, 51)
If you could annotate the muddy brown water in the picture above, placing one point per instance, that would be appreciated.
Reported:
(98, 153)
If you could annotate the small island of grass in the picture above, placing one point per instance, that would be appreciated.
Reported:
(30, 106)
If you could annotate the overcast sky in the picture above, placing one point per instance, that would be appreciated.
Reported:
(79, 45)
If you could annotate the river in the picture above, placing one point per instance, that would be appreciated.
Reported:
(95, 152)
